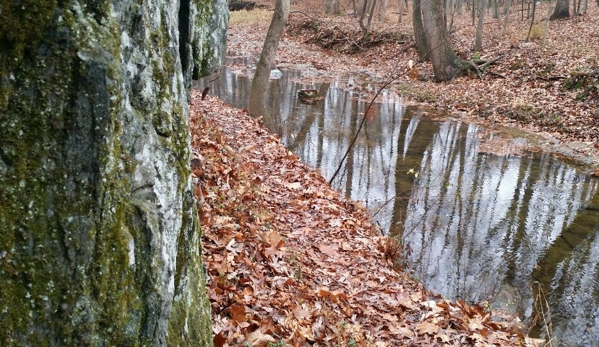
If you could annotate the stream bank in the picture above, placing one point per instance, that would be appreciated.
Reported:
(320, 63)
(481, 213)
(523, 98)
(290, 261)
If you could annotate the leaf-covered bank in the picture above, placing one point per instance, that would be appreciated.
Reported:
(291, 262)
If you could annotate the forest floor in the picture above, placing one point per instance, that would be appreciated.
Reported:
(290, 262)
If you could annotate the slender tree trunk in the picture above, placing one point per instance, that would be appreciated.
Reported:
(362, 7)
(401, 9)
(478, 43)
(332, 7)
(383, 10)
(421, 43)
(507, 11)
(363, 13)
(532, 20)
(371, 14)
(453, 9)
(530, 5)
(495, 9)
(507, 7)
(258, 92)
(562, 10)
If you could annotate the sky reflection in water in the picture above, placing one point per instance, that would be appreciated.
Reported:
(475, 225)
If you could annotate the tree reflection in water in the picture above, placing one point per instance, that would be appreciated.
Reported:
(474, 225)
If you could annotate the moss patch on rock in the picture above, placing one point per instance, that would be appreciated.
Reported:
(99, 232)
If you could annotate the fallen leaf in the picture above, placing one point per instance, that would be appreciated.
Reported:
(258, 339)
(427, 328)
(238, 313)
(328, 250)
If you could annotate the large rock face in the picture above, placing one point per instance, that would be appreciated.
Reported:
(99, 237)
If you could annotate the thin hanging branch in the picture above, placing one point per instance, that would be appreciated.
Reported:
(351, 144)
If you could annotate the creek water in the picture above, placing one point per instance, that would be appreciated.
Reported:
(479, 215)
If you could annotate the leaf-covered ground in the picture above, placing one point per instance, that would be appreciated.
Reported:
(290, 262)
(547, 85)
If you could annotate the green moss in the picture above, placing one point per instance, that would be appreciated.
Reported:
(205, 65)
(203, 54)
(23, 25)
(42, 301)
(67, 226)
(33, 289)
(190, 276)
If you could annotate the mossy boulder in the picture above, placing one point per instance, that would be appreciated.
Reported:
(586, 81)
(99, 236)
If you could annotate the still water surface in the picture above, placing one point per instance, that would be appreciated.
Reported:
(479, 218)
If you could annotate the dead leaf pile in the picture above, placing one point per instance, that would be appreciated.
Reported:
(291, 261)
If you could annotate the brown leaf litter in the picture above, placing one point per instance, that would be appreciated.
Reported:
(291, 262)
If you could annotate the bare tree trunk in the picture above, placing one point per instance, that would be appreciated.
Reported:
(401, 9)
(374, 3)
(507, 11)
(362, 7)
(495, 9)
(363, 11)
(257, 102)
(505, 7)
(446, 64)
(331, 7)
(421, 43)
(453, 12)
(562, 10)
(478, 42)
(532, 21)
(383, 10)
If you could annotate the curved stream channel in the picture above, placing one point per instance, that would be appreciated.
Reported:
(479, 216)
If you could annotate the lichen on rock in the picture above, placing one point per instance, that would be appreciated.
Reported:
(98, 226)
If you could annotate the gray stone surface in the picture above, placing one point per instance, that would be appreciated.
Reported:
(99, 237)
